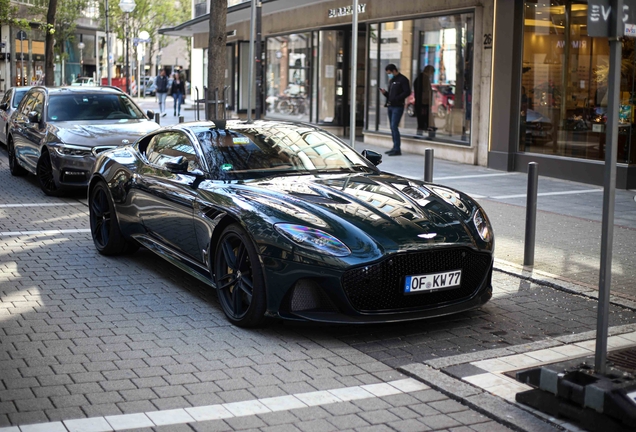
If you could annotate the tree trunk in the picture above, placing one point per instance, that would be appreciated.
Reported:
(216, 54)
(49, 55)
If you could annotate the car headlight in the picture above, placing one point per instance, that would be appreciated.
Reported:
(482, 225)
(314, 239)
(73, 150)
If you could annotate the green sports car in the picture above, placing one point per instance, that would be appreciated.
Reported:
(286, 221)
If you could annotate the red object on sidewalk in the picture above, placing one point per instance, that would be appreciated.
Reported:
(117, 82)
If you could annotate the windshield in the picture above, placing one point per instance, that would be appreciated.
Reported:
(69, 107)
(255, 151)
(19, 95)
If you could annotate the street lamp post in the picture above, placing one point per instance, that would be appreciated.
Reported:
(141, 41)
(108, 53)
(81, 47)
(127, 6)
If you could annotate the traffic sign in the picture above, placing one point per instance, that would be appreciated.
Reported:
(21, 35)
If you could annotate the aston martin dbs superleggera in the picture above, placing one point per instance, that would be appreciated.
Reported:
(285, 220)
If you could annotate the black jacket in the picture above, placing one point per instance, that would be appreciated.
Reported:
(399, 90)
(178, 87)
(161, 84)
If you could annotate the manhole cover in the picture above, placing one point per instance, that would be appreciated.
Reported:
(624, 359)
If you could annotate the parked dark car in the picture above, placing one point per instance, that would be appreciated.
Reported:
(287, 221)
(8, 105)
(538, 127)
(56, 133)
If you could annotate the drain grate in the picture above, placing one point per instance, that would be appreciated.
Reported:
(624, 359)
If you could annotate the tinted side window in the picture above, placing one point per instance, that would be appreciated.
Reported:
(168, 146)
(19, 95)
(39, 104)
(27, 104)
(7, 97)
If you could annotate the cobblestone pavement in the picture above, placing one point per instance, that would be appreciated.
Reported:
(87, 336)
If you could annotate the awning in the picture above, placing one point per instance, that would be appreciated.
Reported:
(235, 14)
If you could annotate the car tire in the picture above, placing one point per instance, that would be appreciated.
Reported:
(44, 173)
(14, 167)
(239, 278)
(105, 229)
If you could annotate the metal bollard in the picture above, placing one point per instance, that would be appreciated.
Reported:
(158, 118)
(181, 119)
(531, 214)
(428, 165)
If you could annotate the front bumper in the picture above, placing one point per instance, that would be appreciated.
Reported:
(305, 292)
(72, 172)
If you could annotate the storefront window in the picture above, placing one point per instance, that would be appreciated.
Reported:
(564, 85)
(288, 76)
(444, 46)
(372, 88)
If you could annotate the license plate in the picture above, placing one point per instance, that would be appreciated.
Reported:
(432, 282)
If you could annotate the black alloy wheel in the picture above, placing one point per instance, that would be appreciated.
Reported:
(239, 278)
(44, 173)
(14, 167)
(105, 230)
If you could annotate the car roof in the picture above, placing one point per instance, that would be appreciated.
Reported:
(238, 125)
(79, 90)
(21, 88)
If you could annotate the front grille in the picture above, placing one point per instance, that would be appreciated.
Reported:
(73, 176)
(380, 287)
(307, 294)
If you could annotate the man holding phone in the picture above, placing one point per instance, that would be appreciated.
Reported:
(399, 90)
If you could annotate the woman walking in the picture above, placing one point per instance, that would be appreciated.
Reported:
(178, 92)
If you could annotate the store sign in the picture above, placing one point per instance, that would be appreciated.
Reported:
(347, 10)
(576, 44)
(599, 13)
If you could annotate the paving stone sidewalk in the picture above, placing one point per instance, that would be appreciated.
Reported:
(86, 336)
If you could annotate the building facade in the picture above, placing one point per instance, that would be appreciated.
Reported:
(307, 70)
(550, 97)
(514, 81)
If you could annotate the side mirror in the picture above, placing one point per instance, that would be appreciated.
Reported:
(34, 117)
(150, 114)
(178, 165)
(4, 106)
(374, 157)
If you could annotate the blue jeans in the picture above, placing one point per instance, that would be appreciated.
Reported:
(395, 115)
(162, 101)
(177, 102)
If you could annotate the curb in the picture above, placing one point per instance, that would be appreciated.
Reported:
(491, 406)
(553, 281)
(511, 415)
